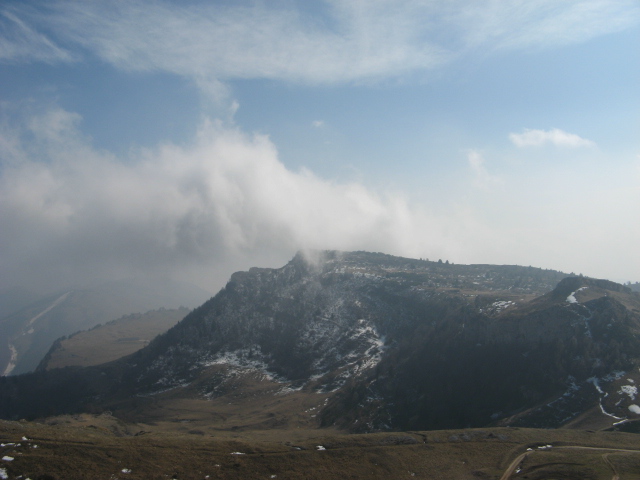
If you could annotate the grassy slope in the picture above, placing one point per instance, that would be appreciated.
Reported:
(85, 447)
(113, 340)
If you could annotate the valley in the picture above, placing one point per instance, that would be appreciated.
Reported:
(31, 323)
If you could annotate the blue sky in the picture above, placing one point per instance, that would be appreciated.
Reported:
(195, 139)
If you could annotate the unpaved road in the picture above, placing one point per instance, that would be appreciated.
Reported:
(518, 460)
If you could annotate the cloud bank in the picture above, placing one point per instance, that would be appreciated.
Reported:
(557, 137)
(72, 214)
(225, 200)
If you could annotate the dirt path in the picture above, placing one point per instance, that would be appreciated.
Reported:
(606, 460)
(511, 468)
(605, 457)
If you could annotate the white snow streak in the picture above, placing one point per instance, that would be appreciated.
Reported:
(12, 362)
(572, 297)
(56, 302)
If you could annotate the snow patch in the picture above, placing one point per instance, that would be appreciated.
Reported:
(3, 474)
(572, 297)
(289, 389)
(596, 384)
(501, 305)
(320, 447)
(630, 390)
(7, 458)
(12, 361)
(351, 352)
(244, 359)
(603, 394)
(634, 409)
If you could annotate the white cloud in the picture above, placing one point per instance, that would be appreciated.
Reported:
(557, 137)
(225, 202)
(340, 42)
(222, 203)
(317, 123)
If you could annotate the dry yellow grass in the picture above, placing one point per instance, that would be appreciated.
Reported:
(113, 340)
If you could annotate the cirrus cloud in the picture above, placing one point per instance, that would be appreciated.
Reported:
(21, 42)
(331, 42)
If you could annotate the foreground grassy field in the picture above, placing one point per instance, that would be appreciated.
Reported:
(103, 447)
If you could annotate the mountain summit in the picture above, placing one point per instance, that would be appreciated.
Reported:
(367, 342)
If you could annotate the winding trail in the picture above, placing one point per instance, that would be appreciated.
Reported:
(606, 460)
(605, 457)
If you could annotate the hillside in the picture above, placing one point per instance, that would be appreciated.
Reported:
(368, 342)
(28, 332)
(113, 340)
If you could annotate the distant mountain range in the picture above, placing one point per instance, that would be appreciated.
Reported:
(32, 323)
(375, 342)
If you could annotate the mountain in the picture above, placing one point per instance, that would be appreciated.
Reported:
(113, 340)
(27, 333)
(364, 342)
(13, 299)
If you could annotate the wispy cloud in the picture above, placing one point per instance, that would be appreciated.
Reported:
(342, 42)
(210, 42)
(539, 24)
(20, 42)
(557, 137)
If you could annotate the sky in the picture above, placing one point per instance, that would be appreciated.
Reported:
(193, 139)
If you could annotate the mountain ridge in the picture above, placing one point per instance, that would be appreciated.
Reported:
(375, 342)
